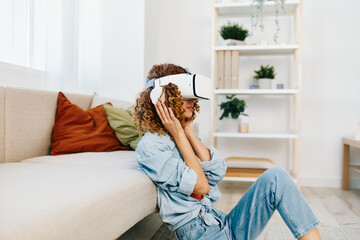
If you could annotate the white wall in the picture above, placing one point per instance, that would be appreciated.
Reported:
(18, 76)
(179, 32)
(331, 99)
(111, 47)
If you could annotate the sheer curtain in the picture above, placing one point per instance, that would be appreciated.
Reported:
(81, 45)
(46, 35)
(53, 42)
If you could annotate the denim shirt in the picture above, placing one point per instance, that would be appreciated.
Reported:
(159, 158)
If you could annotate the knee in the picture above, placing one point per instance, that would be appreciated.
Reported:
(276, 174)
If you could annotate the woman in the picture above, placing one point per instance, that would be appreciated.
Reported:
(186, 174)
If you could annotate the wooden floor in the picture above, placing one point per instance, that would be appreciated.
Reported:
(338, 211)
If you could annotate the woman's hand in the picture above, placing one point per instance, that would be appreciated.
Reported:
(172, 124)
(168, 119)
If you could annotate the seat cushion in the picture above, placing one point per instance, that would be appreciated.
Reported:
(116, 159)
(51, 201)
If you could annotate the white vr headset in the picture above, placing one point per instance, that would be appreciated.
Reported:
(191, 86)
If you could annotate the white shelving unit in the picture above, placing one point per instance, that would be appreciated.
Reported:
(256, 135)
(261, 50)
(244, 8)
(292, 9)
(256, 91)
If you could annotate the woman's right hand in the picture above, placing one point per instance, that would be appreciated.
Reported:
(168, 119)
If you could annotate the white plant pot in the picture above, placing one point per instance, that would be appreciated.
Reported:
(233, 42)
(265, 83)
(230, 125)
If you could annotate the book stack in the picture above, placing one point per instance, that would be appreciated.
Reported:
(228, 69)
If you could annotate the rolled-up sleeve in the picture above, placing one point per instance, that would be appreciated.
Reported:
(215, 168)
(164, 169)
(214, 193)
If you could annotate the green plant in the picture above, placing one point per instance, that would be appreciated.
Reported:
(257, 16)
(233, 107)
(233, 31)
(265, 72)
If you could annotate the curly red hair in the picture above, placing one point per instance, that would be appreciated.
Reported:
(145, 113)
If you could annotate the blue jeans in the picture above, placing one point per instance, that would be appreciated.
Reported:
(273, 190)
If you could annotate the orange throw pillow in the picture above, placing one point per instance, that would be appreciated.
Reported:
(76, 130)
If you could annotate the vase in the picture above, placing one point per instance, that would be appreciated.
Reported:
(265, 83)
(233, 42)
(231, 125)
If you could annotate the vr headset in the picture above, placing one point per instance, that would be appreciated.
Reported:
(191, 86)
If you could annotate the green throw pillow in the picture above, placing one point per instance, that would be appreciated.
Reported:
(121, 121)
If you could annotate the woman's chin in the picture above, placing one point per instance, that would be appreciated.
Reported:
(188, 116)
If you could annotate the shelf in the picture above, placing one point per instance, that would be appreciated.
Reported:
(256, 91)
(245, 8)
(260, 49)
(355, 168)
(239, 179)
(257, 135)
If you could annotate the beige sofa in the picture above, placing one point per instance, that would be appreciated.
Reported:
(74, 196)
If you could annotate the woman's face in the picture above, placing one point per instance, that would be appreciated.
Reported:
(188, 105)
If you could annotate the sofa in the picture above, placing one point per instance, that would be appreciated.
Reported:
(88, 195)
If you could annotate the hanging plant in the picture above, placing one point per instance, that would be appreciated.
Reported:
(257, 7)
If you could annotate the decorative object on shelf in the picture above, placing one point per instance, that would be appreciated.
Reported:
(263, 42)
(232, 109)
(233, 34)
(280, 86)
(254, 85)
(257, 16)
(265, 76)
(228, 69)
(244, 127)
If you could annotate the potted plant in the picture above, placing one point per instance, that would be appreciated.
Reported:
(233, 34)
(265, 76)
(232, 109)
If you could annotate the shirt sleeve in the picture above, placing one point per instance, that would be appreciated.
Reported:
(215, 168)
(165, 169)
(214, 194)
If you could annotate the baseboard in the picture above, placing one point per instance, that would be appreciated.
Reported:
(327, 182)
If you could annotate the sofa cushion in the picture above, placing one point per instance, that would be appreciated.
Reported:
(76, 130)
(123, 124)
(45, 201)
(25, 107)
(116, 159)
(99, 100)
